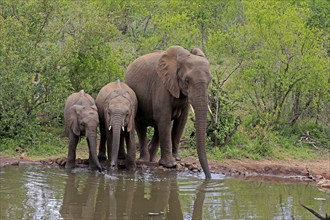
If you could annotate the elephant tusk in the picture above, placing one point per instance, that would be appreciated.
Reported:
(193, 112)
(122, 127)
(209, 108)
(109, 127)
(192, 109)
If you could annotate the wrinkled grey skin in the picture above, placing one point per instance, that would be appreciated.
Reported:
(117, 106)
(81, 119)
(165, 83)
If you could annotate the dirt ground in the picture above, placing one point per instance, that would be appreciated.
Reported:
(316, 171)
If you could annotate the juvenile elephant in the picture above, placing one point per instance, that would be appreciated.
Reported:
(81, 119)
(117, 106)
(165, 83)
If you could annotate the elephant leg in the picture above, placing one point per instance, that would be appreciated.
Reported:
(177, 130)
(141, 131)
(153, 145)
(103, 138)
(121, 152)
(73, 141)
(164, 132)
(131, 151)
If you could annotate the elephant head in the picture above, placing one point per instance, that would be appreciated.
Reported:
(83, 121)
(119, 114)
(187, 74)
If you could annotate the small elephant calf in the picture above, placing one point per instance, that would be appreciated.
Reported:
(117, 106)
(81, 119)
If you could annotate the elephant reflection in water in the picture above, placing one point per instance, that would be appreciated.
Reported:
(161, 197)
(139, 199)
(79, 197)
(124, 198)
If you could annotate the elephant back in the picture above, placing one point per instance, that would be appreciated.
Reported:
(140, 71)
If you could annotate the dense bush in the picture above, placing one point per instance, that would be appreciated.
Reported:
(269, 61)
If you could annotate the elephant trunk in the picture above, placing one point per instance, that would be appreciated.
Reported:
(92, 150)
(116, 131)
(200, 106)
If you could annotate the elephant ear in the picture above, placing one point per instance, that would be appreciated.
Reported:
(130, 124)
(94, 107)
(73, 119)
(133, 101)
(168, 66)
(106, 112)
(198, 52)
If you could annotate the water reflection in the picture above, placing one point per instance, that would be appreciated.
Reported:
(198, 204)
(30, 193)
(78, 199)
(136, 196)
(41, 193)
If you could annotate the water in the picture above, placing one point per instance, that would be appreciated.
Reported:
(36, 192)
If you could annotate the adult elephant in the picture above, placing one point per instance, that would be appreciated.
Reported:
(117, 106)
(81, 119)
(165, 83)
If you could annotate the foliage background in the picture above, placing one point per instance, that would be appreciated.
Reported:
(269, 60)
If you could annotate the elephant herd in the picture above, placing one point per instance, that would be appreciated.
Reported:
(158, 89)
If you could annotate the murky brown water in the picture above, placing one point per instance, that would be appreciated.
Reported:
(36, 192)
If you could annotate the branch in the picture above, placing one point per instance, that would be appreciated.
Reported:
(298, 113)
(147, 23)
(229, 136)
(43, 25)
(288, 64)
(254, 104)
(315, 213)
(231, 73)
(289, 90)
(284, 97)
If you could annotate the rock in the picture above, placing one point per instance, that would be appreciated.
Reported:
(63, 162)
(58, 161)
(324, 184)
(320, 177)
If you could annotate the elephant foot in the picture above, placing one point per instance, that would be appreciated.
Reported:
(177, 157)
(93, 166)
(168, 163)
(110, 165)
(70, 165)
(100, 169)
(144, 156)
(153, 156)
(130, 165)
(153, 159)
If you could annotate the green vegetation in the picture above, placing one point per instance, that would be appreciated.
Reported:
(269, 60)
